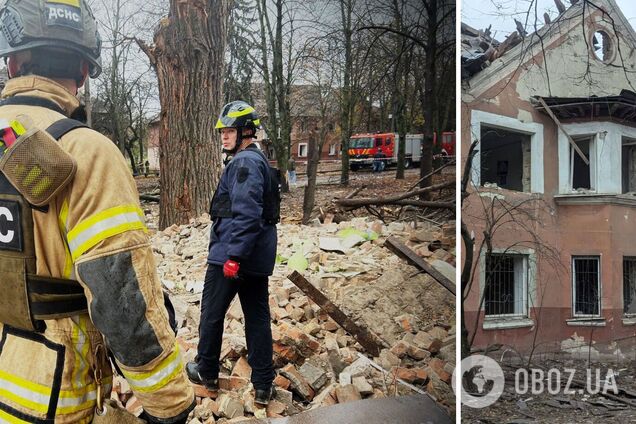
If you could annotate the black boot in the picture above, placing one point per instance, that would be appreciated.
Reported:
(192, 370)
(262, 397)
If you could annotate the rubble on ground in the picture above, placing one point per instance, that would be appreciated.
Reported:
(318, 364)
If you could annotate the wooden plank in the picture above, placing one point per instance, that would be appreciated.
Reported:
(558, 123)
(401, 250)
(368, 341)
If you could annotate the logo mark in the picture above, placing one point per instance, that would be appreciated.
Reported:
(482, 381)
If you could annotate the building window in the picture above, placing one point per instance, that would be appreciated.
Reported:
(302, 150)
(505, 158)
(586, 285)
(582, 174)
(602, 46)
(629, 286)
(506, 287)
(628, 165)
(332, 150)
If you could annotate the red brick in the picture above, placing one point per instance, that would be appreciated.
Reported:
(421, 376)
(242, 368)
(330, 325)
(232, 383)
(282, 382)
(405, 374)
(406, 322)
(437, 365)
(400, 349)
(298, 384)
(417, 353)
(427, 342)
(202, 392)
(288, 353)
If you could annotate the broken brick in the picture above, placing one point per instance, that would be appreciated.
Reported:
(330, 325)
(362, 385)
(437, 365)
(425, 341)
(347, 393)
(438, 333)
(232, 383)
(312, 328)
(279, 314)
(421, 376)
(315, 376)
(407, 322)
(275, 409)
(202, 413)
(230, 407)
(400, 349)
(242, 368)
(202, 392)
(417, 353)
(298, 384)
(281, 382)
(288, 353)
(408, 375)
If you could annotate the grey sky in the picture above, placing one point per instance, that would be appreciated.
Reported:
(501, 13)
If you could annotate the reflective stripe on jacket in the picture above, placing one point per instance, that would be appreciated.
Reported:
(93, 232)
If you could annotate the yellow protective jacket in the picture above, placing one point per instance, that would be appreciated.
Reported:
(94, 233)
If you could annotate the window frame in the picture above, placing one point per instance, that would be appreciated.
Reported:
(523, 273)
(625, 314)
(598, 284)
(591, 157)
(533, 129)
(306, 146)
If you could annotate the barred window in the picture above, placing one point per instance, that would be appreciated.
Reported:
(629, 285)
(586, 284)
(506, 285)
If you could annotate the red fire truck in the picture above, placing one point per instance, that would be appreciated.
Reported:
(363, 148)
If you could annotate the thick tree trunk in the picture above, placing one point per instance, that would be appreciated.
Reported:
(189, 59)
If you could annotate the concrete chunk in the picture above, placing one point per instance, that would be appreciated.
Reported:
(362, 385)
(230, 407)
(315, 376)
(347, 393)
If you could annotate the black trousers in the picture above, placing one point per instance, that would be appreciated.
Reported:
(218, 293)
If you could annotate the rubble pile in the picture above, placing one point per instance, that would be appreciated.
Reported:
(318, 363)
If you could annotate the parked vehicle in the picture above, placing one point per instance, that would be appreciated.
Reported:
(448, 144)
(363, 148)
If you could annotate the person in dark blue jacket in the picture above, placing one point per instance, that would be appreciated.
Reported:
(244, 212)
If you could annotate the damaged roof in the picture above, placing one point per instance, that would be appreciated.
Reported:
(479, 50)
(621, 107)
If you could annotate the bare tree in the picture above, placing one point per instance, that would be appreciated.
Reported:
(321, 74)
(124, 89)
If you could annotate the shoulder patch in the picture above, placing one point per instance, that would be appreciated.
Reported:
(243, 172)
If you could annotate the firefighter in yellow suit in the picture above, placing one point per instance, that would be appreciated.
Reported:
(91, 232)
